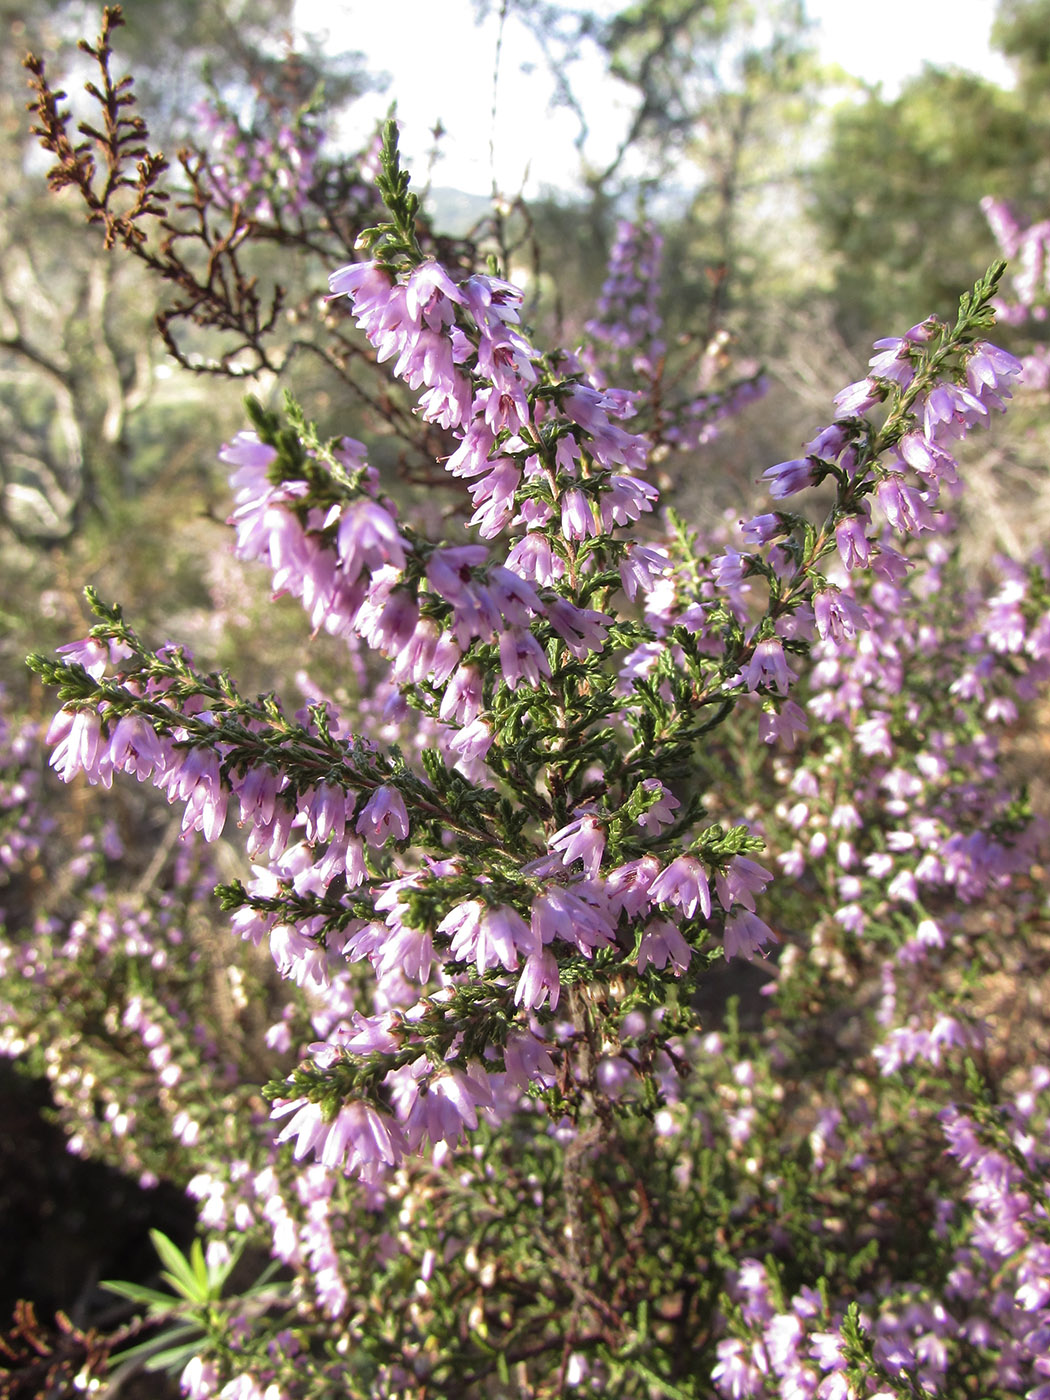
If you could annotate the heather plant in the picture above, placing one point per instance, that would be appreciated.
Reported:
(527, 1128)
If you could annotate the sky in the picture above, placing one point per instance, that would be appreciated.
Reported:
(441, 66)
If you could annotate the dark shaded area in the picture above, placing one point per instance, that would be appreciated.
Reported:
(65, 1224)
(739, 981)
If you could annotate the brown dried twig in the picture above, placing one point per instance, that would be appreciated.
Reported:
(214, 291)
(38, 1361)
(121, 141)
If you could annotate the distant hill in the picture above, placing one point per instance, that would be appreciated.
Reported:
(454, 211)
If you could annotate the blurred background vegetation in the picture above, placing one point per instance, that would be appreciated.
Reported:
(804, 214)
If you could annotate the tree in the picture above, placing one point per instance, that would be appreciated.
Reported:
(717, 92)
(1022, 33)
(896, 199)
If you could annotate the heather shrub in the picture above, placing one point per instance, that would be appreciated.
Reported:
(615, 982)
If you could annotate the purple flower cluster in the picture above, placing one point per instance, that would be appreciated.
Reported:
(905, 483)
(626, 330)
(263, 173)
(1026, 247)
(874, 807)
(991, 1317)
(24, 822)
(626, 345)
(534, 843)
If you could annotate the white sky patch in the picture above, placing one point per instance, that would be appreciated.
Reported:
(890, 41)
(441, 65)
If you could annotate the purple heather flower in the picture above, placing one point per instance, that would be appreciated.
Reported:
(828, 443)
(539, 980)
(492, 302)
(366, 282)
(526, 1058)
(783, 1335)
(627, 887)
(610, 446)
(739, 1374)
(560, 913)
(838, 616)
(325, 808)
(522, 658)
(298, 957)
(889, 565)
(196, 782)
(581, 629)
(79, 746)
(624, 499)
(640, 567)
(787, 478)
(252, 458)
(361, 1138)
(683, 883)
(496, 940)
(448, 1104)
(904, 507)
(463, 921)
(505, 359)
(199, 1379)
(661, 813)
(473, 456)
(989, 367)
(760, 529)
(134, 747)
(534, 559)
(745, 934)
(402, 950)
(582, 839)
(853, 543)
(416, 659)
(740, 882)
(873, 736)
(792, 863)
(473, 741)
(857, 398)
(768, 667)
(389, 614)
(728, 569)
(577, 518)
(826, 1350)
(661, 943)
(426, 361)
(505, 407)
(893, 361)
(786, 724)
(383, 816)
(928, 459)
(494, 498)
(1003, 224)
(90, 653)
(513, 596)
(427, 293)
(463, 695)
(368, 539)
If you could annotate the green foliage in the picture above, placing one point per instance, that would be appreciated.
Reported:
(1022, 33)
(896, 198)
(195, 1313)
(394, 243)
